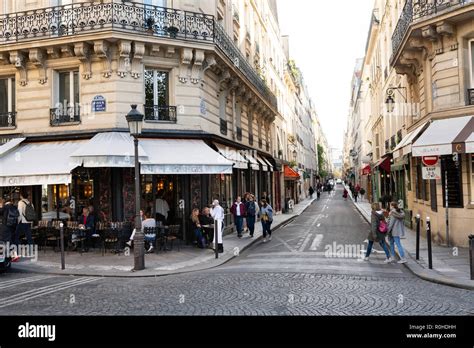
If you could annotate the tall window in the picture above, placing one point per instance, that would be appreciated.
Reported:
(7, 102)
(66, 108)
(471, 63)
(157, 96)
(223, 111)
(161, 3)
(472, 177)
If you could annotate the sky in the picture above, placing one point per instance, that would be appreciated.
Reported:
(326, 38)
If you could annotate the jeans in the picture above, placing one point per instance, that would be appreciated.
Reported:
(251, 224)
(382, 244)
(239, 221)
(393, 241)
(266, 227)
(23, 229)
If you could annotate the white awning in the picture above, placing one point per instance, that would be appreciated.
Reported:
(10, 145)
(404, 147)
(270, 166)
(114, 149)
(438, 139)
(262, 162)
(233, 155)
(470, 144)
(182, 156)
(44, 163)
(253, 162)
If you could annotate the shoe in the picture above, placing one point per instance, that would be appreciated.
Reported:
(129, 243)
(389, 260)
(240, 236)
(15, 259)
(251, 236)
(265, 239)
(270, 238)
(150, 249)
(366, 258)
(402, 261)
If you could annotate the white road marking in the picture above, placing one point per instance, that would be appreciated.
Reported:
(316, 242)
(286, 245)
(306, 241)
(20, 281)
(46, 290)
(319, 225)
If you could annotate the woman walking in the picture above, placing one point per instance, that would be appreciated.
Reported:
(396, 229)
(378, 232)
(266, 218)
(252, 209)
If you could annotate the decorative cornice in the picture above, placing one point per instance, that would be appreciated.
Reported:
(124, 48)
(18, 59)
(184, 64)
(197, 66)
(103, 50)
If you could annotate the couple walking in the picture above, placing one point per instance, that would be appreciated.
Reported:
(380, 229)
(250, 210)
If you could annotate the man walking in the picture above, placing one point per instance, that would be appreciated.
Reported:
(26, 218)
(238, 211)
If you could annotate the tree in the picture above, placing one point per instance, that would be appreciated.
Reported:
(322, 162)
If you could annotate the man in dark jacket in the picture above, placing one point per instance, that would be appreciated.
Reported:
(239, 212)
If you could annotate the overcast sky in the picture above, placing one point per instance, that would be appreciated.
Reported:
(326, 38)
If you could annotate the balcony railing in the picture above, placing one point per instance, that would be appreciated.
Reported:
(420, 9)
(470, 96)
(158, 113)
(90, 17)
(65, 116)
(7, 119)
(223, 127)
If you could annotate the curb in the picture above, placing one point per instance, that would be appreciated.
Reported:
(220, 261)
(422, 272)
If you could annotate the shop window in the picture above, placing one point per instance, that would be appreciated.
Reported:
(157, 106)
(454, 172)
(7, 102)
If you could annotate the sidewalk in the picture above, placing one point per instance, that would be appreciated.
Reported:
(447, 269)
(188, 259)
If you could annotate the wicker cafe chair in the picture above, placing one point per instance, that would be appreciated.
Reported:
(53, 235)
(111, 236)
(174, 234)
(151, 231)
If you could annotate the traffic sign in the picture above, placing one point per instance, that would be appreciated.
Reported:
(430, 161)
(431, 173)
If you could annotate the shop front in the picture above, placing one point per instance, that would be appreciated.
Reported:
(291, 187)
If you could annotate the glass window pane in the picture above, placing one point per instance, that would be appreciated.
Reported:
(162, 86)
(472, 63)
(149, 100)
(13, 95)
(3, 95)
(76, 87)
(64, 89)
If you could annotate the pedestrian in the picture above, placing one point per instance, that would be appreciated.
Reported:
(27, 216)
(197, 228)
(162, 207)
(245, 199)
(217, 212)
(396, 229)
(238, 211)
(252, 209)
(355, 193)
(132, 236)
(266, 218)
(311, 191)
(345, 194)
(319, 189)
(378, 232)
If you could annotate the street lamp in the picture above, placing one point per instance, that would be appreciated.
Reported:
(295, 155)
(135, 123)
(390, 104)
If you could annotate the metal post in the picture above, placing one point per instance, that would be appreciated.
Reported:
(139, 240)
(447, 210)
(471, 254)
(61, 235)
(428, 238)
(215, 239)
(418, 236)
(57, 201)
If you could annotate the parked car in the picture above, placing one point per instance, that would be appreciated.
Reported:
(339, 181)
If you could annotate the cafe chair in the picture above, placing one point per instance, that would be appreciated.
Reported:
(174, 234)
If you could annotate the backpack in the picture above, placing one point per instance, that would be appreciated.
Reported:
(251, 211)
(383, 227)
(12, 216)
(30, 212)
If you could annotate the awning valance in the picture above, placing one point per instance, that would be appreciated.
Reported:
(383, 163)
(270, 167)
(443, 137)
(252, 160)
(233, 155)
(44, 163)
(182, 156)
(113, 149)
(262, 162)
(290, 174)
(404, 147)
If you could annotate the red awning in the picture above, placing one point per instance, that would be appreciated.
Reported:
(384, 164)
(290, 174)
(366, 170)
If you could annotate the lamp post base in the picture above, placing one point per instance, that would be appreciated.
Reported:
(139, 251)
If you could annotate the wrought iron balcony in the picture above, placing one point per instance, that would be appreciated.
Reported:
(65, 116)
(7, 119)
(223, 126)
(158, 113)
(415, 10)
(93, 17)
(470, 96)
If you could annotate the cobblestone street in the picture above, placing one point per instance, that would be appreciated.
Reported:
(290, 275)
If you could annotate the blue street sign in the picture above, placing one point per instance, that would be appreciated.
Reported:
(98, 104)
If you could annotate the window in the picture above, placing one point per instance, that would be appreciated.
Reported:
(471, 63)
(238, 120)
(157, 96)
(7, 102)
(223, 112)
(455, 193)
(472, 177)
(67, 102)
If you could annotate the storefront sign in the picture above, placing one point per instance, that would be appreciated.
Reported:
(99, 104)
(432, 173)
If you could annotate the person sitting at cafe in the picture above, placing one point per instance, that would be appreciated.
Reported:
(147, 222)
(197, 228)
(86, 226)
(207, 222)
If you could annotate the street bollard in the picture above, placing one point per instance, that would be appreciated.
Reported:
(428, 237)
(61, 236)
(417, 236)
(471, 254)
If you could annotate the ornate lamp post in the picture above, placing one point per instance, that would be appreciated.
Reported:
(135, 123)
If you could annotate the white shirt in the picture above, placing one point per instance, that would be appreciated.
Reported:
(217, 213)
(22, 211)
(162, 207)
(237, 210)
(148, 223)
